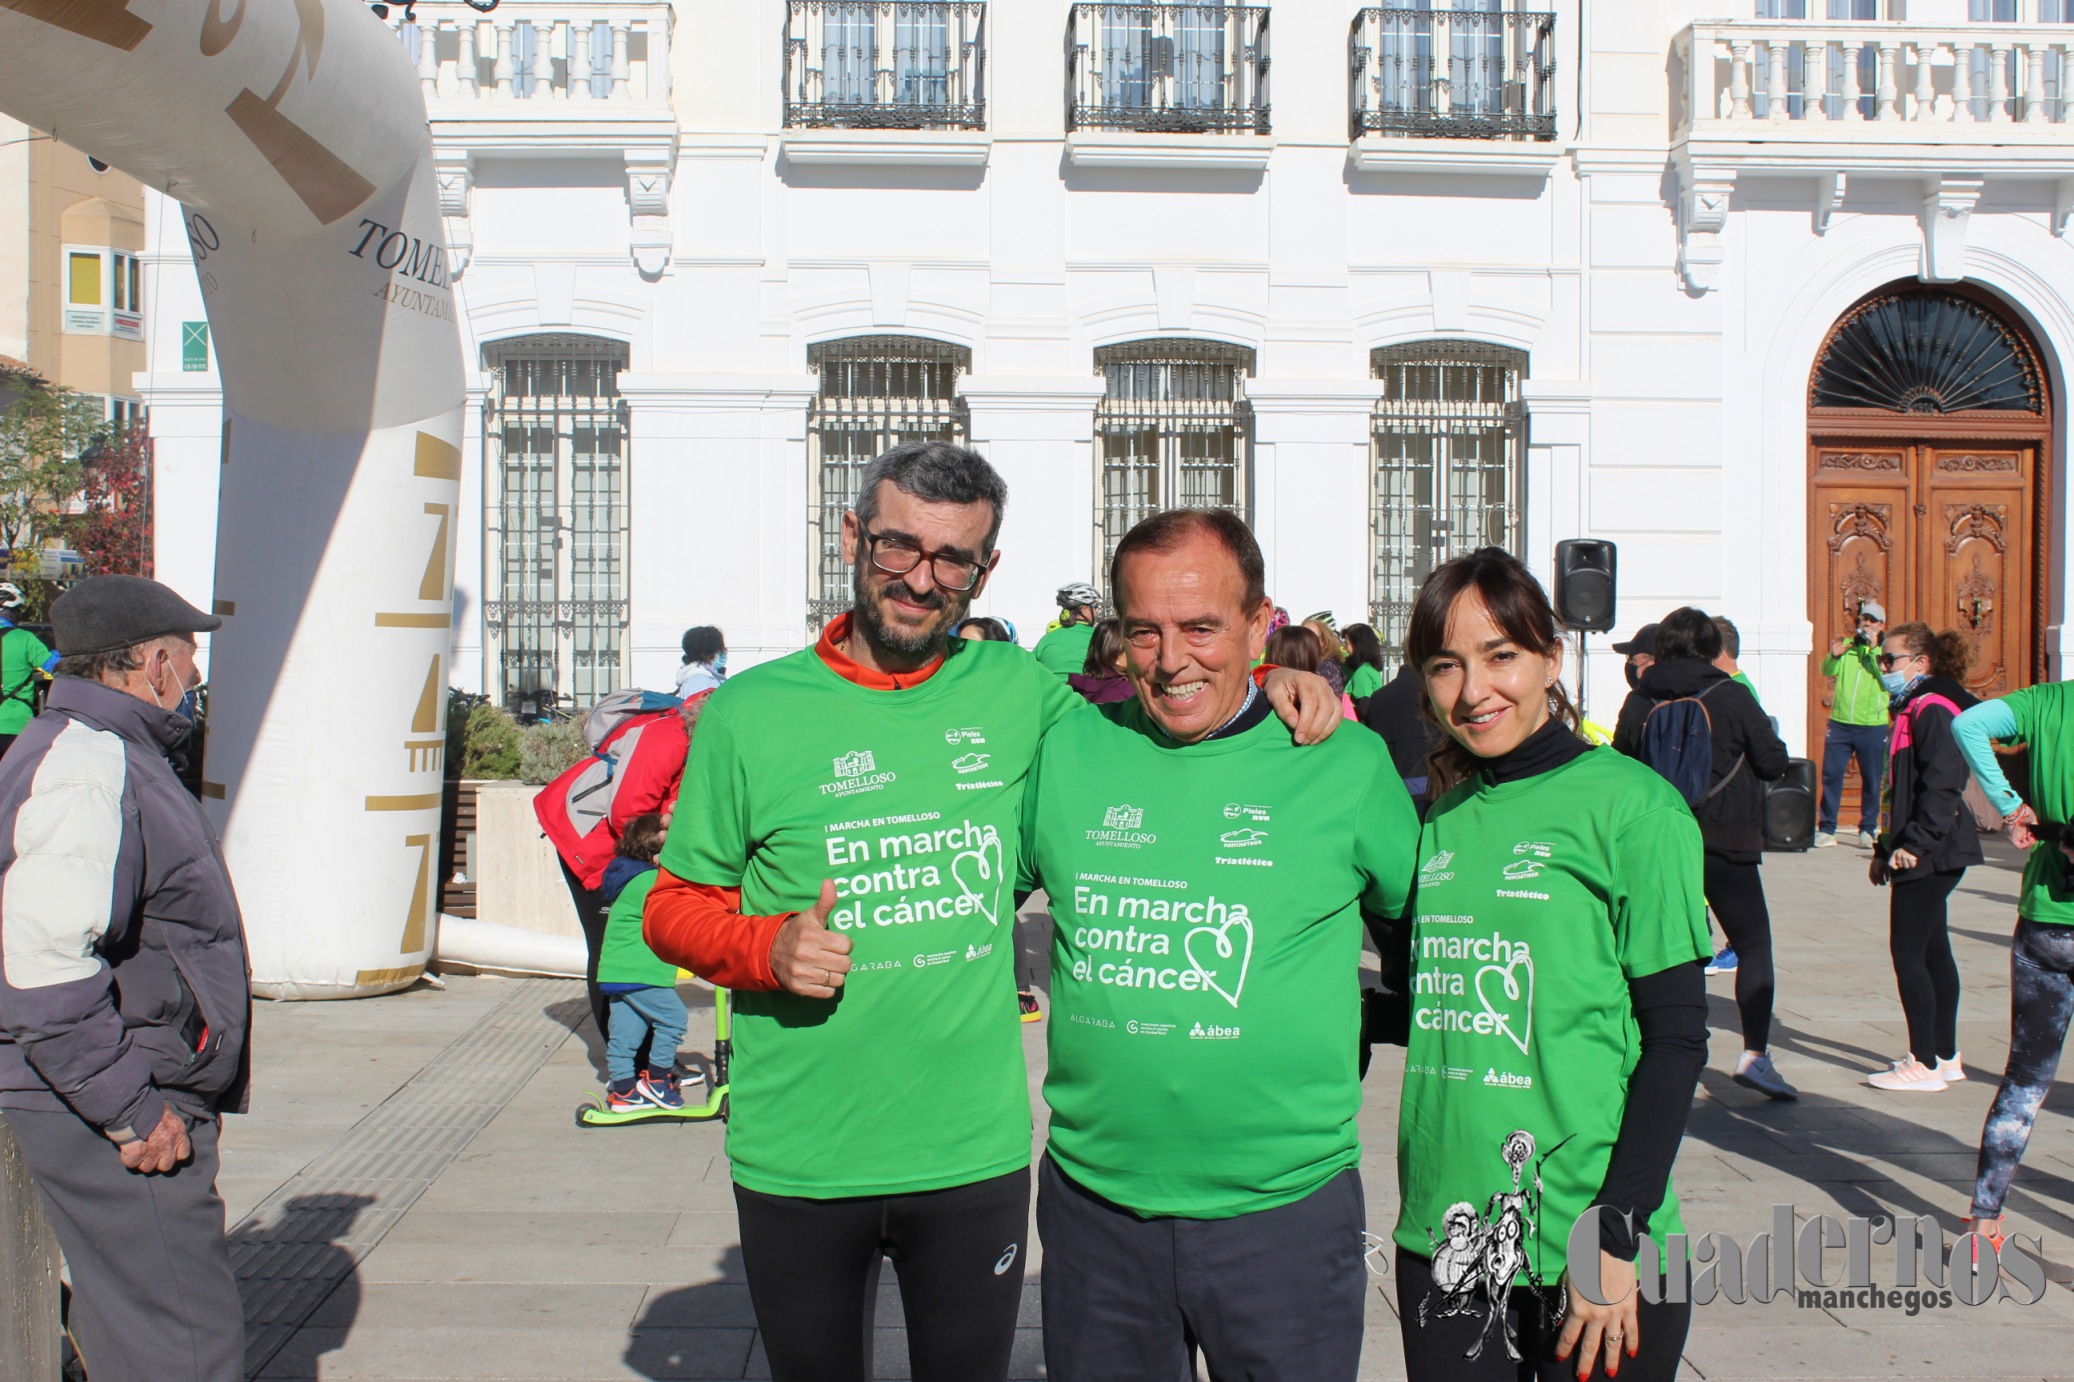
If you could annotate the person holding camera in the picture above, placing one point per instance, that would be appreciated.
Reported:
(1858, 718)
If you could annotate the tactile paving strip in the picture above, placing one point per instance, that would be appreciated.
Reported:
(310, 1234)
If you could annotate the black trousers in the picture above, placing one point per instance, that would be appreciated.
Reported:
(813, 1269)
(1924, 970)
(1736, 893)
(1438, 1349)
(1273, 1296)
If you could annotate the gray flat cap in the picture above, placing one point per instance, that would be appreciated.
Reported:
(103, 613)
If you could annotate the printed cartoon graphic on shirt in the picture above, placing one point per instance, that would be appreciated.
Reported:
(1492, 1251)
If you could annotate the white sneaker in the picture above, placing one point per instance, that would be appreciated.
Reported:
(1909, 1076)
(1950, 1071)
(1866, 839)
(1825, 841)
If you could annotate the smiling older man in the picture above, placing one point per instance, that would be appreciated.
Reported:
(1206, 879)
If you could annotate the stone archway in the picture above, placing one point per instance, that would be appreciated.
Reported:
(1929, 470)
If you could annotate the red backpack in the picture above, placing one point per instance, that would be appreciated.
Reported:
(575, 810)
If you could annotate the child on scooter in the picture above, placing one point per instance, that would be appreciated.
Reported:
(640, 990)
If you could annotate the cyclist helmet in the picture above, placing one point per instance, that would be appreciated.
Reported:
(10, 595)
(1077, 594)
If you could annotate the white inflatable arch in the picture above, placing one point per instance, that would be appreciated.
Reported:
(293, 135)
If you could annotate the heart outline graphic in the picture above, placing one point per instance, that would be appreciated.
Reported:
(1221, 937)
(1513, 994)
(987, 860)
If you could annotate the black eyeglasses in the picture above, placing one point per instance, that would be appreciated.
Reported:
(896, 556)
(1887, 660)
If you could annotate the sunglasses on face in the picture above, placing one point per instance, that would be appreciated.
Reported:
(1887, 660)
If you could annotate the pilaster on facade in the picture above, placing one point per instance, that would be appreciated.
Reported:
(1030, 407)
(1332, 412)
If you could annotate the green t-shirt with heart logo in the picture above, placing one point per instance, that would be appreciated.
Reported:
(1205, 995)
(913, 1077)
(1537, 901)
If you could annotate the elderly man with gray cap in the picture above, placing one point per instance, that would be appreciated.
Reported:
(123, 998)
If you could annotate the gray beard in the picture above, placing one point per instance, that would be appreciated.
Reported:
(920, 645)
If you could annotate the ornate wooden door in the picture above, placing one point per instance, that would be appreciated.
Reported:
(1929, 464)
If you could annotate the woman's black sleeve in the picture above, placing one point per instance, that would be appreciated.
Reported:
(1940, 788)
(1671, 1009)
(1388, 1012)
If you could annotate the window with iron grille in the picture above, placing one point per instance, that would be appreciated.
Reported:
(876, 392)
(1449, 468)
(555, 517)
(1191, 66)
(885, 64)
(1173, 430)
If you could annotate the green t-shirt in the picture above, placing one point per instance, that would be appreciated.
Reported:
(1748, 685)
(1205, 956)
(22, 656)
(1364, 681)
(1537, 901)
(2045, 720)
(912, 1078)
(1063, 651)
(623, 957)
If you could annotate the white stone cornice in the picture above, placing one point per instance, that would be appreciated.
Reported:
(1269, 396)
(1474, 157)
(1235, 153)
(885, 148)
(1032, 393)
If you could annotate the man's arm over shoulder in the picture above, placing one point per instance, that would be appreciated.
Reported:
(75, 877)
(1386, 840)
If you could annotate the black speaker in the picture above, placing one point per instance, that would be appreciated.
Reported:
(1789, 808)
(1584, 582)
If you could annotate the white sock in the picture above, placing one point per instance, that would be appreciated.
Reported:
(1749, 1058)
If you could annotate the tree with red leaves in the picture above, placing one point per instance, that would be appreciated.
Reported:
(113, 530)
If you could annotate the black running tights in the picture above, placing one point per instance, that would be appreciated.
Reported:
(1736, 893)
(1924, 970)
(813, 1269)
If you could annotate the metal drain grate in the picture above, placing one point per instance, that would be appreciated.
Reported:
(310, 1234)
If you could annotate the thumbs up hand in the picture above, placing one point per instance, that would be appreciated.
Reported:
(808, 958)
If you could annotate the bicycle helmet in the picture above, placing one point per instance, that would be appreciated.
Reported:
(1077, 594)
(10, 595)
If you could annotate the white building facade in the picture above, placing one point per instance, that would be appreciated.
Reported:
(1777, 303)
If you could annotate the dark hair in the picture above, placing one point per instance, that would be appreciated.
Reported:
(1687, 632)
(939, 472)
(643, 838)
(1295, 647)
(1518, 606)
(1165, 531)
(703, 644)
(1950, 652)
(1104, 649)
(1731, 641)
(992, 630)
(1364, 648)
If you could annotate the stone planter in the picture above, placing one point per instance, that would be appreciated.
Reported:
(518, 878)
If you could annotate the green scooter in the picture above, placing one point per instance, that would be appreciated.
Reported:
(595, 1113)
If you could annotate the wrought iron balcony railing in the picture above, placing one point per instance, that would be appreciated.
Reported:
(1193, 68)
(885, 64)
(1461, 74)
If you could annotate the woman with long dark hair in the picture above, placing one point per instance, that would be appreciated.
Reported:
(1927, 842)
(1364, 662)
(1729, 803)
(1100, 680)
(1557, 1011)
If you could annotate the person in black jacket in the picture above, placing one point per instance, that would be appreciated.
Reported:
(1747, 753)
(1396, 712)
(1927, 844)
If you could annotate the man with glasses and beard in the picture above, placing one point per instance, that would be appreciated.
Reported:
(842, 856)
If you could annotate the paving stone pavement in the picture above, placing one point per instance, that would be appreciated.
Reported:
(547, 1251)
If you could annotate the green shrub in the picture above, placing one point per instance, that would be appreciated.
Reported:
(546, 751)
(490, 745)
